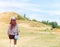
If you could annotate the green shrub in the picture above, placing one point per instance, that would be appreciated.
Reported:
(52, 24)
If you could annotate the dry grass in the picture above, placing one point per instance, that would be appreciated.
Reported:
(29, 37)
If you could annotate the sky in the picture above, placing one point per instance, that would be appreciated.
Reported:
(41, 10)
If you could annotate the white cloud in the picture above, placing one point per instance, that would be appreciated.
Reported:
(56, 5)
(10, 4)
(27, 6)
(25, 0)
(17, 4)
(53, 12)
(21, 5)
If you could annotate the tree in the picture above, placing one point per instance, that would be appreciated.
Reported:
(54, 24)
(24, 15)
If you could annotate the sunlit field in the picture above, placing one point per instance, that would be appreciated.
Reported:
(30, 37)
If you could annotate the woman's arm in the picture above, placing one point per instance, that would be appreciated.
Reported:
(8, 29)
(17, 30)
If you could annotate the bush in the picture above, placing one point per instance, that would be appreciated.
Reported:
(53, 24)
(46, 22)
(34, 20)
(20, 17)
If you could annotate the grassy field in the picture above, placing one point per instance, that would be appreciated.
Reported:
(30, 37)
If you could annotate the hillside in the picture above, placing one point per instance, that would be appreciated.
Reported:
(6, 16)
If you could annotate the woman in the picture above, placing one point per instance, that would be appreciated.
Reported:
(13, 32)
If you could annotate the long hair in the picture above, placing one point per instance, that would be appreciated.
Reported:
(12, 25)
